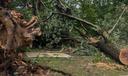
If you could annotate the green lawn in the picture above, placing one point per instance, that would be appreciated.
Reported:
(77, 66)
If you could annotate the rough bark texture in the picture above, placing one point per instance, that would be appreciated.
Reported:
(109, 49)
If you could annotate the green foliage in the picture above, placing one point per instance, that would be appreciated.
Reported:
(58, 30)
(85, 50)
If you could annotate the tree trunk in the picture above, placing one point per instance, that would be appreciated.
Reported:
(109, 49)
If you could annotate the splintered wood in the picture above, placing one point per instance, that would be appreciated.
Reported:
(15, 31)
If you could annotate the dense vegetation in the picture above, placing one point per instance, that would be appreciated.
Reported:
(59, 31)
(82, 28)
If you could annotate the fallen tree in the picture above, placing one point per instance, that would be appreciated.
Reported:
(101, 39)
(102, 43)
(109, 49)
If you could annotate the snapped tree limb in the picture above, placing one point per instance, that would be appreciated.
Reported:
(81, 20)
(95, 27)
(115, 25)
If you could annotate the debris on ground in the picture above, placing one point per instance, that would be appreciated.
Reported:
(105, 66)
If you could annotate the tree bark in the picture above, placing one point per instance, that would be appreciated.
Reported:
(109, 49)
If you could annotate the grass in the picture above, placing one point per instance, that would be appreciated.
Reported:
(77, 66)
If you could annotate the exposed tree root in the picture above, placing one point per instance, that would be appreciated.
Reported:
(17, 33)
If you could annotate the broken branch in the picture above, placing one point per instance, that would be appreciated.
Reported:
(79, 19)
(115, 25)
